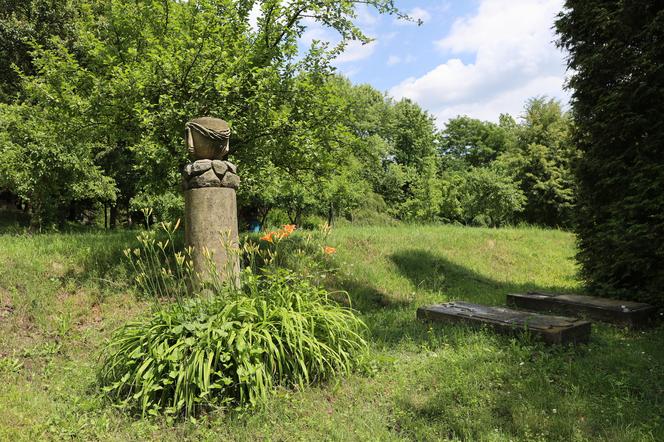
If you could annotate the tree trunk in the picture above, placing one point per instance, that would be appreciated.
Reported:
(263, 215)
(114, 216)
(330, 215)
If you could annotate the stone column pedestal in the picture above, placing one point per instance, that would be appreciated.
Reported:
(210, 217)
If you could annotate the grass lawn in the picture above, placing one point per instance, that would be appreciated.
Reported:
(62, 294)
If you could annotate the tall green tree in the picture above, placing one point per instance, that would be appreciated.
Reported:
(540, 158)
(616, 54)
(139, 70)
(468, 141)
(24, 25)
(412, 134)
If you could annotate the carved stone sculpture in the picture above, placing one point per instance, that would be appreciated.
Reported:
(207, 138)
(207, 141)
(209, 184)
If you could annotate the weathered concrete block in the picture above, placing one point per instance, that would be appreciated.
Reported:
(628, 313)
(550, 329)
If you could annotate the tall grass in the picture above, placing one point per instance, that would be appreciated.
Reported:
(160, 268)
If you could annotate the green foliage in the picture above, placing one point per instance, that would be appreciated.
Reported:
(537, 154)
(164, 206)
(423, 203)
(231, 349)
(233, 345)
(412, 134)
(616, 63)
(161, 270)
(372, 210)
(114, 95)
(474, 142)
(541, 161)
(302, 252)
(481, 196)
(25, 24)
(42, 162)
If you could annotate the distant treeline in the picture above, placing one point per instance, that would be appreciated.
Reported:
(94, 97)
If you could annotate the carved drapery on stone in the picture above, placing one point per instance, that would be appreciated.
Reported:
(210, 173)
(207, 138)
(207, 141)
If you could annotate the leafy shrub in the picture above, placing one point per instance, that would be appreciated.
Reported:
(230, 348)
(372, 211)
(303, 251)
(164, 205)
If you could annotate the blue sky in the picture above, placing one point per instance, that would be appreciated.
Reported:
(478, 58)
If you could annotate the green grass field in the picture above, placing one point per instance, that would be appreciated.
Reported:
(61, 295)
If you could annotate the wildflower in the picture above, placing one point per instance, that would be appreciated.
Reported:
(329, 250)
(267, 237)
(289, 228)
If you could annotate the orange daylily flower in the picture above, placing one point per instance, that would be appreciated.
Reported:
(279, 234)
(329, 250)
(289, 228)
(285, 231)
(267, 237)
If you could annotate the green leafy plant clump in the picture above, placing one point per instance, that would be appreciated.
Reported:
(231, 349)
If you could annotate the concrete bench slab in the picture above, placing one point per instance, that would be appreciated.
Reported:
(551, 329)
(628, 313)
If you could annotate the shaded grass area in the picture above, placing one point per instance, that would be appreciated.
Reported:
(62, 294)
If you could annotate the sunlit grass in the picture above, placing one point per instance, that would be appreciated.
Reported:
(67, 292)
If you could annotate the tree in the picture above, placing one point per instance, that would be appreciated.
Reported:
(412, 133)
(25, 24)
(474, 142)
(540, 159)
(423, 203)
(481, 196)
(139, 70)
(616, 54)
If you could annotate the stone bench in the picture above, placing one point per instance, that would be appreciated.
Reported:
(550, 329)
(628, 313)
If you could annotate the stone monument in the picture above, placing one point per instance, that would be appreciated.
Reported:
(210, 207)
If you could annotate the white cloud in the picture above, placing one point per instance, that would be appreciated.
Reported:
(395, 59)
(356, 51)
(366, 19)
(515, 59)
(316, 31)
(416, 14)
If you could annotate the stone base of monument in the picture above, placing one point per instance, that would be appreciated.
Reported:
(211, 225)
(627, 313)
(550, 329)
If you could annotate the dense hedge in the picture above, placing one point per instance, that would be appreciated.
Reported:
(617, 60)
